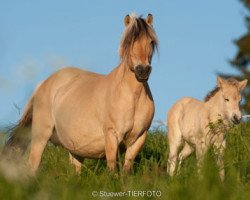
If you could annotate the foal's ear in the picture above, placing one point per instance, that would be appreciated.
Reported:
(127, 20)
(149, 19)
(220, 81)
(243, 84)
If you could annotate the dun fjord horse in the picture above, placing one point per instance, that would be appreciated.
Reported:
(190, 122)
(91, 114)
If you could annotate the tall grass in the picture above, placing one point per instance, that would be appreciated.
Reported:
(58, 180)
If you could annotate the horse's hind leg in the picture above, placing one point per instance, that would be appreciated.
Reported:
(185, 152)
(42, 129)
(175, 141)
(76, 161)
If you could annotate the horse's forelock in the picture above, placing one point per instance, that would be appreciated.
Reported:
(232, 81)
(137, 28)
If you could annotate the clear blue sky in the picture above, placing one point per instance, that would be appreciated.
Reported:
(38, 37)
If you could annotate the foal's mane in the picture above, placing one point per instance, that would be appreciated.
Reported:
(211, 93)
(136, 29)
(230, 81)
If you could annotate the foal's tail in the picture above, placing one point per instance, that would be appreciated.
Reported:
(20, 136)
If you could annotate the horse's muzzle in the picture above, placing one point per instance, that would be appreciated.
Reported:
(235, 119)
(142, 72)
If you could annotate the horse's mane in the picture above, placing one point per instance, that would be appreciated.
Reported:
(137, 28)
(211, 93)
(230, 81)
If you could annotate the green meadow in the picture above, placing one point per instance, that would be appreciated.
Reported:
(149, 180)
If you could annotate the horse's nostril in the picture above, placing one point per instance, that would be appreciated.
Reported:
(139, 69)
(142, 72)
(236, 119)
(148, 68)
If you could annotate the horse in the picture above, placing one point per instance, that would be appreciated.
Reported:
(197, 125)
(92, 115)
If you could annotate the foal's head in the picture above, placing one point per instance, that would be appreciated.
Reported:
(231, 97)
(138, 44)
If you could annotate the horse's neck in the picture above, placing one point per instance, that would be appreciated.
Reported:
(123, 76)
(214, 106)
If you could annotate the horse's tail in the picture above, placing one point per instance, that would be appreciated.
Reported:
(20, 136)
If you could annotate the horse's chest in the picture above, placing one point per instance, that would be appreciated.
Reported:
(143, 115)
(129, 116)
(142, 119)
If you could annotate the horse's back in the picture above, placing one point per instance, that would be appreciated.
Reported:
(61, 77)
(49, 88)
(184, 104)
(46, 91)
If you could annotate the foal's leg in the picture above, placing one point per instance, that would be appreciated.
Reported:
(132, 152)
(185, 152)
(76, 161)
(219, 152)
(201, 150)
(175, 141)
(111, 147)
(42, 128)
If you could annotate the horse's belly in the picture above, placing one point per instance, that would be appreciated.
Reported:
(193, 132)
(88, 145)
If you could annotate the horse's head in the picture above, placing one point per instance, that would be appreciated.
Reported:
(138, 44)
(231, 97)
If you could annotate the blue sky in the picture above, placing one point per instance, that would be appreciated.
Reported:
(39, 37)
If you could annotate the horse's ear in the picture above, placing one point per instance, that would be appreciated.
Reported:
(220, 81)
(149, 19)
(243, 84)
(127, 20)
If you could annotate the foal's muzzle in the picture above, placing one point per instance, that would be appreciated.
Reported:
(235, 119)
(142, 72)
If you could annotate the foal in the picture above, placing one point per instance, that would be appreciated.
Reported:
(190, 122)
(91, 114)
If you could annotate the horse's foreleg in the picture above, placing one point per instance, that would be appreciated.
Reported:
(111, 147)
(76, 161)
(132, 151)
(219, 152)
(201, 150)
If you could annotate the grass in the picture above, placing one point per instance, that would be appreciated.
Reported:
(149, 179)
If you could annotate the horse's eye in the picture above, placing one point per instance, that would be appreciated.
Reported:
(226, 99)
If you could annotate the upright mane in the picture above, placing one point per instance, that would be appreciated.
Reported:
(134, 31)
(211, 93)
(230, 81)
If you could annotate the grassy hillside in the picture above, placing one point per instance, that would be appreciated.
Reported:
(149, 180)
